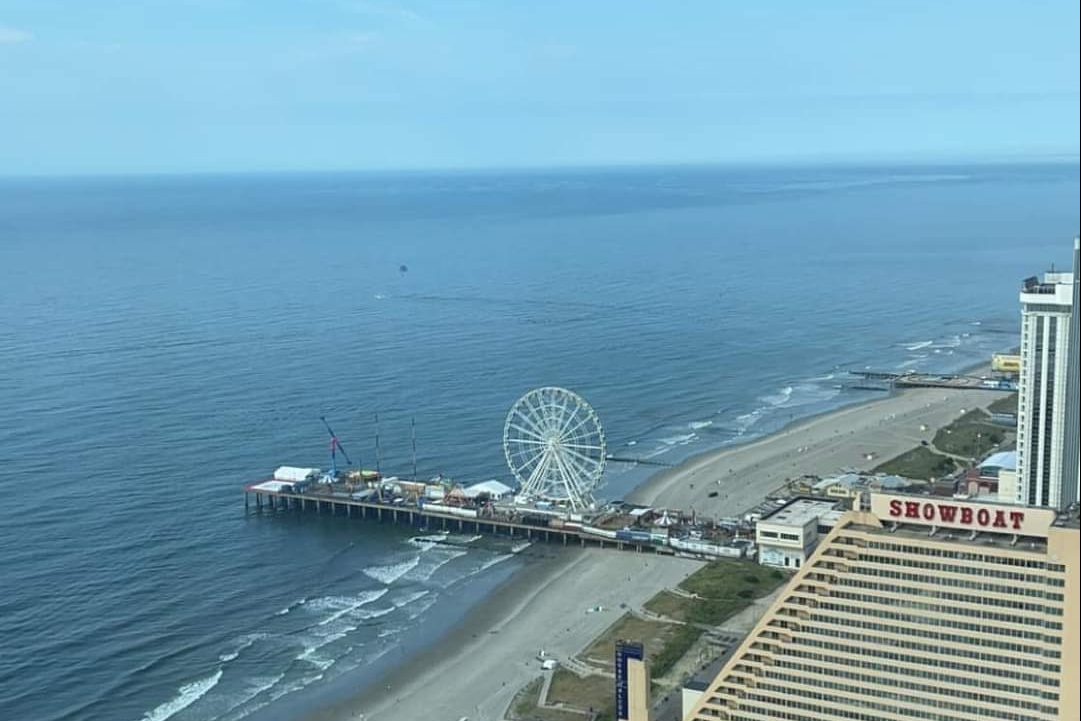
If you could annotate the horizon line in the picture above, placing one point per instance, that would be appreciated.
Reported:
(1064, 158)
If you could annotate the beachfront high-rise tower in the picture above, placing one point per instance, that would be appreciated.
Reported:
(1046, 315)
(1071, 457)
(922, 608)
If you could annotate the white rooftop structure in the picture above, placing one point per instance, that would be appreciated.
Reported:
(787, 536)
(493, 488)
(294, 474)
(1001, 460)
(800, 511)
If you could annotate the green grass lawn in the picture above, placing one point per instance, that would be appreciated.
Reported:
(591, 692)
(653, 634)
(919, 463)
(724, 588)
(970, 436)
(524, 706)
(1006, 404)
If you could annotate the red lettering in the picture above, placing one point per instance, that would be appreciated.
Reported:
(912, 509)
(1000, 519)
(966, 516)
(983, 517)
(948, 513)
(1016, 517)
(895, 507)
(928, 512)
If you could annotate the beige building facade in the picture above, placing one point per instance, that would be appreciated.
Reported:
(921, 609)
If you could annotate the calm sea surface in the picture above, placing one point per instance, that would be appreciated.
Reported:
(164, 341)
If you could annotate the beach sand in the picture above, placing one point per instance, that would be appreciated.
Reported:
(477, 669)
(475, 672)
(823, 445)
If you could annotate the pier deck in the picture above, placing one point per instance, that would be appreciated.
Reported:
(421, 517)
(884, 380)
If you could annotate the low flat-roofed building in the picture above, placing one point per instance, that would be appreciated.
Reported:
(921, 608)
(787, 536)
(493, 489)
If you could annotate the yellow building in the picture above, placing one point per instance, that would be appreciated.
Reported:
(1005, 363)
(923, 609)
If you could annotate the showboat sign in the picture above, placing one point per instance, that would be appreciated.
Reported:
(948, 513)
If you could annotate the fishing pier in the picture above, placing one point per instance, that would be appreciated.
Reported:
(526, 524)
(887, 381)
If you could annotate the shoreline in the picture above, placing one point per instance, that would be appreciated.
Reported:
(524, 613)
(476, 669)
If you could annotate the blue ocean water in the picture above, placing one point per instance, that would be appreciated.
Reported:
(164, 341)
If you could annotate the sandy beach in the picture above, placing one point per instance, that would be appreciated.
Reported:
(823, 445)
(482, 663)
(477, 670)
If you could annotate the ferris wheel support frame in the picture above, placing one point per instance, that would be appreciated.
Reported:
(555, 447)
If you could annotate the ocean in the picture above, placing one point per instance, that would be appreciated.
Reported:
(166, 340)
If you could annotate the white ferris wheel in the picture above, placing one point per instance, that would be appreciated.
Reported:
(555, 447)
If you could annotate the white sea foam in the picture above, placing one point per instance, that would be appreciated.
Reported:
(680, 440)
(426, 543)
(780, 398)
(495, 560)
(290, 607)
(747, 420)
(311, 656)
(699, 425)
(462, 539)
(420, 607)
(318, 640)
(242, 643)
(919, 344)
(391, 573)
(295, 686)
(519, 547)
(425, 570)
(369, 614)
(406, 600)
(256, 686)
(341, 605)
(185, 696)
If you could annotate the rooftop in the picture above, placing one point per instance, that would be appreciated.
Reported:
(969, 539)
(856, 480)
(1058, 285)
(800, 511)
(1002, 459)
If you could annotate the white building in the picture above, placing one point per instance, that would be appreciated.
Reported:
(1041, 413)
(495, 490)
(787, 536)
(1071, 457)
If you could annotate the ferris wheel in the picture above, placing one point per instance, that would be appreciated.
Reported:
(555, 447)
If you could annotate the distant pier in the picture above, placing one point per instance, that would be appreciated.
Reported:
(887, 380)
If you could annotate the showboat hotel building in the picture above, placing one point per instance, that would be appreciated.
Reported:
(921, 609)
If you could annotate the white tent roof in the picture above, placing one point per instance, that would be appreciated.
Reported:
(494, 488)
(1002, 459)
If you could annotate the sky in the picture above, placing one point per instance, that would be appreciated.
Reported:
(161, 86)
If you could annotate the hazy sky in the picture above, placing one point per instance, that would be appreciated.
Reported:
(181, 85)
